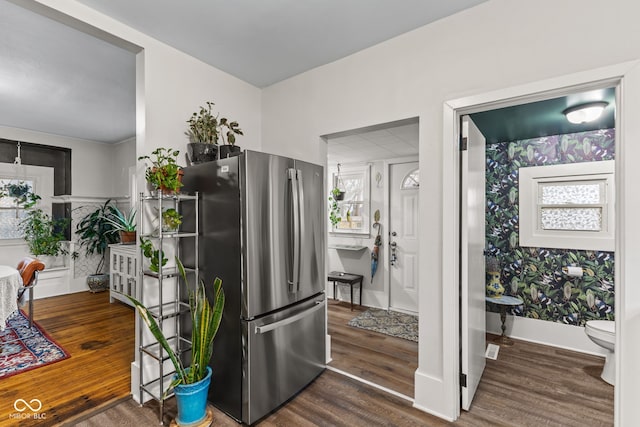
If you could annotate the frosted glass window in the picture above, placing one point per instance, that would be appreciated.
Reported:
(579, 219)
(567, 206)
(575, 194)
(412, 180)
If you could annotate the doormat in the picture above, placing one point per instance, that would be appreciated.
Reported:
(392, 323)
(24, 348)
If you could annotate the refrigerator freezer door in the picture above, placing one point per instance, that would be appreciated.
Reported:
(312, 229)
(286, 351)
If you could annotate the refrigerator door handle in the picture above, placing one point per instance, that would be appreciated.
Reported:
(295, 265)
(301, 217)
(289, 320)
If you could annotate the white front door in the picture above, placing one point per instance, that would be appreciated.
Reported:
(472, 274)
(403, 236)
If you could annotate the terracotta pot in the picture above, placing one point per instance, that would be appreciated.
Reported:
(127, 237)
(165, 190)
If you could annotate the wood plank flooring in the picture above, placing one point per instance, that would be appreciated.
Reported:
(382, 359)
(529, 384)
(100, 338)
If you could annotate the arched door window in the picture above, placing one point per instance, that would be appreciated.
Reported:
(411, 181)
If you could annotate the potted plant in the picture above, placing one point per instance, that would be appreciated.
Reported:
(96, 233)
(191, 384)
(21, 192)
(155, 256)
(334, 210)
(125, 225)
(171, 220)
(205, 130)
(163, 171)
(44, 236)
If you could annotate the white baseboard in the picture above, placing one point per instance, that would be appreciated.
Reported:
(328, 349)
(554, 334)
(430, 396)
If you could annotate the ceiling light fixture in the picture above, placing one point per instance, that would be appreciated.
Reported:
(585, 113)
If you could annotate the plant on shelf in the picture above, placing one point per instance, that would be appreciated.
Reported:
(171, 220)
(205, 321)
(43, 234)
(163, 171)
(124, 224)
(96, 232)
(155, 256)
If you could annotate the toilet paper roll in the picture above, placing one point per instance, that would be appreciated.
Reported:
(573, 271)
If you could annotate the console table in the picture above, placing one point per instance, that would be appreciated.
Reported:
(346, 278)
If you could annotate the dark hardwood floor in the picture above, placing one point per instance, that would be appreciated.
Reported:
(382, 359)
(529, 384)
(100, 338)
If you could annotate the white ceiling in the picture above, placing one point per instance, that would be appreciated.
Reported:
(266, 41)
(58, 80)
(381, 144)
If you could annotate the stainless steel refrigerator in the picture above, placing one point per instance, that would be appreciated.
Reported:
(262, 232)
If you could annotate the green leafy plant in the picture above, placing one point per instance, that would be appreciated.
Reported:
(334, 210)
(22, 193)
(171, 219)
(155, 256)
(96, 232)
(207, 128)
(43, 234)
(121, 221)
(163, 171)
(205, 321)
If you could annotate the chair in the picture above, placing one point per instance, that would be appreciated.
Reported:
(29, 269)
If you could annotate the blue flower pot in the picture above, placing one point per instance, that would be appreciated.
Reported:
(192, 401)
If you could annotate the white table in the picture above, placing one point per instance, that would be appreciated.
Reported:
(504, 301)
(10, 282)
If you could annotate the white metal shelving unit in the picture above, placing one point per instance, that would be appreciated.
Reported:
(164, 313)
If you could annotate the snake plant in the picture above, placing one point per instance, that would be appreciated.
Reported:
(205, 320)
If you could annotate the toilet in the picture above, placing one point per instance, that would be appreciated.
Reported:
(603, 333)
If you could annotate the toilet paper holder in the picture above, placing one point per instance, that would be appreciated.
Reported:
(573, 271)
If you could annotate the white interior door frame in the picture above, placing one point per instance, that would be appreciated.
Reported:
(626, 78)
(386, 223)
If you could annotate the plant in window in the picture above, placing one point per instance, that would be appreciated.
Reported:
(43, 234)
(334, 210)
(22, 193)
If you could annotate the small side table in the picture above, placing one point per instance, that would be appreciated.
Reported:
(503, 302)
(348, 278)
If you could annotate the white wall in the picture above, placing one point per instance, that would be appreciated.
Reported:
(123, 157)
(498, 44)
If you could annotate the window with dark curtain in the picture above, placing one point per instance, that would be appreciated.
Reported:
(45, 155)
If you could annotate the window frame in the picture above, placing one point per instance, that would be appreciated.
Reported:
(363, 171)
(42, 178)
(531, 181)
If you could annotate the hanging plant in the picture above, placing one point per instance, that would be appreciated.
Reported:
(334, 210)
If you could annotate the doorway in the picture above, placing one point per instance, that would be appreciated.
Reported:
(522, 286)
(370, 154)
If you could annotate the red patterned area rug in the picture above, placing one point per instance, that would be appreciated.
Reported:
(24, 348)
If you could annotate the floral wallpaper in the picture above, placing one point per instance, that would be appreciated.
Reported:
(534, 274)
